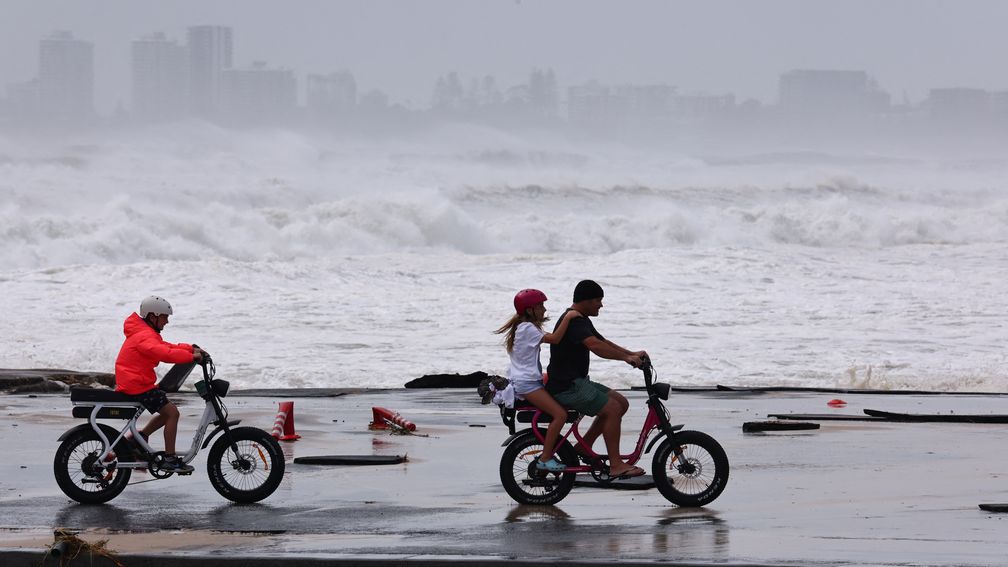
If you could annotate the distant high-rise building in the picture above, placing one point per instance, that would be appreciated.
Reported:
(962, 105)
(66, 77)
(258, 93)
(647, 103)
(210, 53)
(832, 94)
(160, 78)
(543, 96)
(593, 104)
(332, 94)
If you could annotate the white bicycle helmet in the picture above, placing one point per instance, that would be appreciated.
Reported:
(156, 305)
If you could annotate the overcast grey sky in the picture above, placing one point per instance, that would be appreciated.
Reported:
(400, 46)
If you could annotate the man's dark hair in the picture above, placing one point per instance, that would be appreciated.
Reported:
(587, 289)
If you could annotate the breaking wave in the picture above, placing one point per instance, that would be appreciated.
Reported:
(191, 191)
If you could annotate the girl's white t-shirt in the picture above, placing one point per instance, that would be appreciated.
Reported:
(525, 371)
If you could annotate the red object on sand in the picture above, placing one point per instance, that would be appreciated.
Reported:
(836, 403)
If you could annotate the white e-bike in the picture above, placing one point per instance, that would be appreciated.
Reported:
(94, 462)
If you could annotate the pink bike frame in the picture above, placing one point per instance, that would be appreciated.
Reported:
(651, 422)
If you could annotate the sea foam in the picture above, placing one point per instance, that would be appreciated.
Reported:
(316, 261)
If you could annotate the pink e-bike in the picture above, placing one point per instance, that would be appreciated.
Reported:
(689, 468)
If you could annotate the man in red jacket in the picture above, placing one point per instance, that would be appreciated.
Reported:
(134, 371)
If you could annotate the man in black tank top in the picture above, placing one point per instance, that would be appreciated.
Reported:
(569, 382)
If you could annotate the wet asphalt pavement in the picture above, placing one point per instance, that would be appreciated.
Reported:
(866, 493)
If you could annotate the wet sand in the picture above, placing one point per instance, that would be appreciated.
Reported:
(865, 493)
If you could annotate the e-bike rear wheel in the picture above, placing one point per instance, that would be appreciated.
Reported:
(253, 473)
(525, 484)
(79, 474)
(690, 469)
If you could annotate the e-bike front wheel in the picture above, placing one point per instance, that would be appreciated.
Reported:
(251, 474)
(79, 474)
(525, 484)
(690, 469)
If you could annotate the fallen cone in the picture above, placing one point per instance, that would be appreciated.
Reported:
(382, 418)
(836, 403)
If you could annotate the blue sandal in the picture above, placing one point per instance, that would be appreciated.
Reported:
(551, 465)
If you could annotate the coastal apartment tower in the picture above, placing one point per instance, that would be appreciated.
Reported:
(160, 78)
(66, 78)
(210, 53)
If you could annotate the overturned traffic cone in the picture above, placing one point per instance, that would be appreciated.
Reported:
(382, 418)
(283, 426)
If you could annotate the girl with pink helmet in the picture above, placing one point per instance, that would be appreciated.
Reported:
(523, 334)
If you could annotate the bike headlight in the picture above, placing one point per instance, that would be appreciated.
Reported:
(220, 387)
(662, 389)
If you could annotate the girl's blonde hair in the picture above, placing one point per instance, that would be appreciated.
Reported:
(508, 329)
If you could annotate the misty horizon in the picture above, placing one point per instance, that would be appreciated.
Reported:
(829, 236)
(736, 48)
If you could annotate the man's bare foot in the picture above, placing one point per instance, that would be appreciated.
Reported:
(626, 471)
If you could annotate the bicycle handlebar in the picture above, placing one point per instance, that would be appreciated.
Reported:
(208, 367)
(647, 369)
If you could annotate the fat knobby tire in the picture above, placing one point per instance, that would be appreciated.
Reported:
(514, 466)
(261, 456)
(79, 446)
(699, 480)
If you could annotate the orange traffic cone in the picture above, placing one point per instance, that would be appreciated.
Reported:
(283, 425)
(381, 418)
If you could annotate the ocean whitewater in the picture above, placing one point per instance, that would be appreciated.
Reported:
(304, 261)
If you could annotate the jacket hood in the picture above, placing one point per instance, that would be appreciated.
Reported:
(134, 324)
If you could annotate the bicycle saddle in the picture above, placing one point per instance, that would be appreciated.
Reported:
(524, 414)
(98, 395)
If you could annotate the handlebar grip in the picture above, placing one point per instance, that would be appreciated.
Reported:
(646, 368)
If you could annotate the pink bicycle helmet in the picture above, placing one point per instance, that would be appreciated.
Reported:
(527, 298)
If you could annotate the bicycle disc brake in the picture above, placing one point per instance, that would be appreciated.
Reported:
(95, 473)
(684, 465)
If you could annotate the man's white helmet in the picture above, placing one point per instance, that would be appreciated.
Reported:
(156, 305)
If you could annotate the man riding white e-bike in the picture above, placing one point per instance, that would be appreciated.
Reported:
(141, 352)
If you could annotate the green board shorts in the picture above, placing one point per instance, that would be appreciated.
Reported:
(584, 396)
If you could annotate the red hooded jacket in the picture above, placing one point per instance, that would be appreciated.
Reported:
(143, 350)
